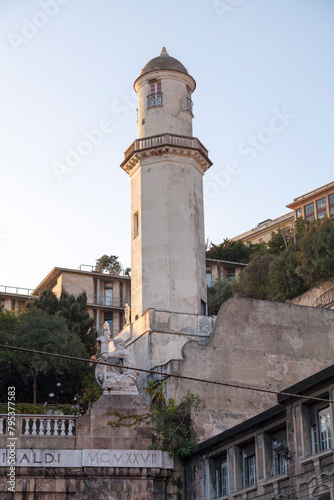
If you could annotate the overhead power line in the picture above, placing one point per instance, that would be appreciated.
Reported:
(174, 375)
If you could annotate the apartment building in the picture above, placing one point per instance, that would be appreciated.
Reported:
(284, 452)
(315, 204)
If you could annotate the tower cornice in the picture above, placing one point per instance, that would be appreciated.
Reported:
(162, 145)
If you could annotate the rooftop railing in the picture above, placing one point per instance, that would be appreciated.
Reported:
(15, 290)
(93, 269)
(329, 185)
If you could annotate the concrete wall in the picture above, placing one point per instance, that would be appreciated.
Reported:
(58, 286)
(258, 343)
(158, 336)
(77, 283)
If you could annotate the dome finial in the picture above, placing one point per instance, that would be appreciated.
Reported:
(164, 52)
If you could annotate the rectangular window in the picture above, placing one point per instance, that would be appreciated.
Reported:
(108, 296)
(231, 274)
(248, 465)
(331, 204)
(309, 211)
(298, 212)
(321, 428)
(221, 478)
(155, 96)
(203, 308)
(280, 464)
(155, 88)
(321, 208)
(135, 225)
(208, 278)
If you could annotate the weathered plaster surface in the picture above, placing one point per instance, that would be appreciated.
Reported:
(257, 343)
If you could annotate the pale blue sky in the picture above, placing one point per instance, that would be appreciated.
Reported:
(253, 60)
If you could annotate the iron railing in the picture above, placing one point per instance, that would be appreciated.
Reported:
(154, 100)
(326, 300)
(15, 290)
(329, 185)
(101, 300)
(93, 269)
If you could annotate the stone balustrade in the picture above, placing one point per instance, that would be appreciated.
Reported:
(40, 425)
(164, 140)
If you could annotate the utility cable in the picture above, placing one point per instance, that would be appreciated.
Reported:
(155, 372)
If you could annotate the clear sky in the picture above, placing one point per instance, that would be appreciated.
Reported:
(264, 108)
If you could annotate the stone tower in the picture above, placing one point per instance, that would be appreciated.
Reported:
(166, 165)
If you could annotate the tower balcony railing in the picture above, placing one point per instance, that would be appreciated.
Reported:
(154, 100)
(105, 301)
(154, 141)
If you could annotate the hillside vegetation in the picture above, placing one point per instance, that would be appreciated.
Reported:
(292, 262)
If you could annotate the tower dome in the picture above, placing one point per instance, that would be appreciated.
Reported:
(164, 61)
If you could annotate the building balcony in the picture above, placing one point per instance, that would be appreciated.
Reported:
(109, 302)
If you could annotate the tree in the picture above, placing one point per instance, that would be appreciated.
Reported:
(218, 293)
(174, 423)
(35, 329)
(284, 283)
(109, 263)
(74, 310)
(78, 320)
(279, 241)
(316, 252)
(90, 391)
(235, 251)
(253, 281)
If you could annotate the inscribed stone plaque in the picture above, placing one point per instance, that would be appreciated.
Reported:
(126, 458)
(86, 458)
(42, 458)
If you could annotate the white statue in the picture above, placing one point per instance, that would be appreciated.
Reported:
(115, 377)
(104, 338)
(127, 314)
